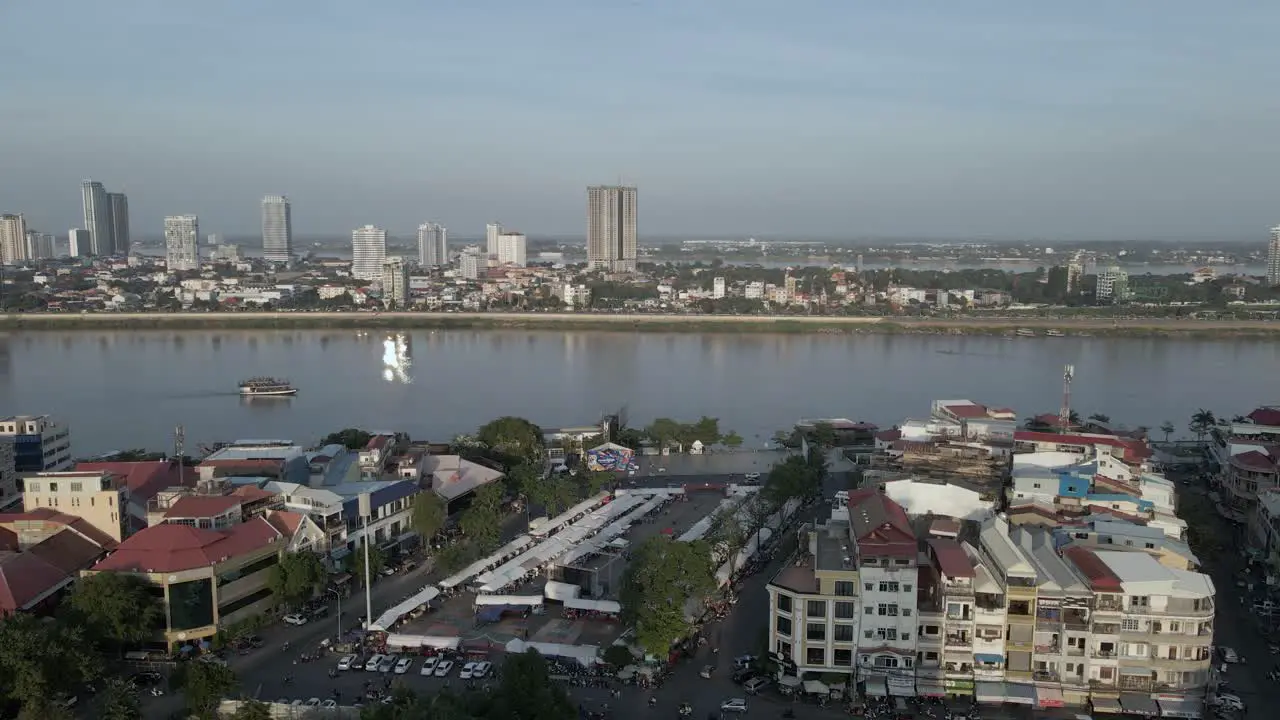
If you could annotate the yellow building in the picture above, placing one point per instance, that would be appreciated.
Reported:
(100, 498)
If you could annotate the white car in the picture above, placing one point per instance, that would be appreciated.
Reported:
(752, 476)
(1228, 702)
(481, 669)
(1229, 655)
(403, 665)
(388, 663)
(313, 702)
(346, 662)
(429, 665)
(295, 619)
(374, 662)
(329, 704)
(444, 668)
(735, 705)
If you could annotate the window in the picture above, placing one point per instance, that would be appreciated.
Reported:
(76, 487)
(906, 662)
(844, 589)
(906, 612)
(784, 603)
(906, 587)
(1106, 673)
(901, 562)
(784, 649)
(868, 634)
(1151, 546)
(890, 634)
(906, 636)
(845, 610)
(33, 486)
(868, 610)
(53, 487)
(930, 629)
(1138, 601)
(888, 609)
(869, 586)
(1175, 627)
(815, 656)
(783, 625)
(1129, 625)
(815, 631)
(843, 658)
(844, 633)
(888, 586)
(886, 661)
(816, 608)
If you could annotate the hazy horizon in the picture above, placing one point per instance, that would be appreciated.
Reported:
(995, 121)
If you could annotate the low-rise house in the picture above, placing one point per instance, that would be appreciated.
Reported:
(454, 478)
(41, 555)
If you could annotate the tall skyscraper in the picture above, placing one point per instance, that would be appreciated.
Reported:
(491, 233)
(39, 245)
(13, 239)
(1273, 258)
(433, 245)
(182, 242)
(368, 252)
(469, 263)
(277, 229)
(97, 218)
(78, 242)
(512, 248)
(611, 228)
(119, 223)
(395, 282)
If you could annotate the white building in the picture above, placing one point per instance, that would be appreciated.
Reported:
(277, 229)
(469, 263)
(491, 233)
(1113, 284)
(754, 290)
(368, 252)
(182, 243)
(1273, 258)
(433, 245)
(611, 228)
(78, 242)
(13, 239)
(884, 548)
(717, 288)
(512, 247)
(395, 282)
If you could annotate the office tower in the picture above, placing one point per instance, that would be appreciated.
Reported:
(611, 228)
(491, 233)
(469, 263)
(368, 252)
(511, 249)
(277, 229)
(97, 218)
(13, 239)
(717, 288)
(1273, 258)
(119, 223)
(40, 443)
(1113, 284)
(433, 245)
(78, 242)
(39, 245)
(395, 282)
(182, 242)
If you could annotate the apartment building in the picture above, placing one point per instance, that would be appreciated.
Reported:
(1059, 657)
(885, 550)
(100, 498)
(946, 625)
(1017, 581)
(40, 443)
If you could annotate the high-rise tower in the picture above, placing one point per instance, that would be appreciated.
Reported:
(368, 252)
(433, 245)
(97, 218)
(182, 242)
(277, 229)
(611, 228)
(120, 241)
(1273, 258)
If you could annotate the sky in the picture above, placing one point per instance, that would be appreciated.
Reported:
(1092, 119)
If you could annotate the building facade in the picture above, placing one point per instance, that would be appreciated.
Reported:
(120, 240)
(40, 443)
(368, 252)
(100, 498)
(39, 245)
(78, 242)
(469, 264)
(512, 249)
(13, 239)
(395, 282)
(611, 228)
(1273, 258)
(433, 245)
(277, 229)
(491, 233)
(182, 243)
(97, 217)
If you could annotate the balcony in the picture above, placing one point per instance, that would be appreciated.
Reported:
(1023, 645)
(1051, 648)
(1048, 624)
(1075, 620)
(981, 673)
(1109, 605)
(953, 589)
(1073, 651)
(1180, 663)
(1104, 654)
(959, 642)
(1046, 676)
(961, 617)
(1106, 628)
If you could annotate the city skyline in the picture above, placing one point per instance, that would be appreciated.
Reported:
(992, 120)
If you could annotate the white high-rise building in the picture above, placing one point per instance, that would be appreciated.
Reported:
(469, 263)
(1273, 258)
(214, 239)
(78, 242)
(717, 288)
(120, 240)
(13, 239)
(97, 218)
(368, 252)
(433, 245)
(512, 248)
(39, 245)
(611, 228)
(182, 243)
(491, 233)
(395, 283)
(277, 229)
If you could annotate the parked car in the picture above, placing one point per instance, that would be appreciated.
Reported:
(388, 663)
(313, 702)
(403, 665)
(444, 668)
(734, 705)
(1228, 655)
(346, 661)
(466, 671)
(329, 704)
(481, 669)
(295, 619)
(706, 671)
(374, 662)
(755, 685)
(1228, 702)
(429, 665)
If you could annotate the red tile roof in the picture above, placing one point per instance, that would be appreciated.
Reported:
(966, 411)
(377, 442)
(173, 548)
(284, 521)
(1254, 460)
(49, 515)
(23, 579)
(202, 506)
(952, 560)
(889, 435)
(1265, 416)
(1134, 450)
(249, 493)
(1095, 571)
(944, 526)
(879, 525)
(144, 479)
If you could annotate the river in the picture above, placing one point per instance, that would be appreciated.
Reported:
(123, 389)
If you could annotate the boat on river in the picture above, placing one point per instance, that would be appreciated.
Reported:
(267, 387)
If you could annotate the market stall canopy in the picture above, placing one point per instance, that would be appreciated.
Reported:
(816, 687)
(392, 615)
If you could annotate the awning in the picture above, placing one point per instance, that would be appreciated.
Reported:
(877, 687)
(902, 686)
(988, 692)
(1104, 704)
(1047, 697)
(789, 681)
(1135, 704)
(930, 688)
(1020, 694)
(816, 687)
(989, 658)
(1181, 708)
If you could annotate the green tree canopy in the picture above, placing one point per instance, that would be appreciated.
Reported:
(204, 685)
(513, 440)
(40, 660)
(354, 561)
(663, 576)
(117, 608)
(296, 578)
(351, 438)
(119, 701)
(252, 710)
(731, 439)
(429, 514)
(794, 477)
(482, 521)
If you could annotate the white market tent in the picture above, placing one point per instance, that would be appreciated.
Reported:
(421, 641)
(604, 606)
(561, 592)
(479, 566)
(635, 508)
(568, 516)
(388, 618)
(512, 600)
(587, 655)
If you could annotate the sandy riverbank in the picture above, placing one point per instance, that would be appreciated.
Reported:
(641, 323)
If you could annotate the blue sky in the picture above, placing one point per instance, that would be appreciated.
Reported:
(1080, 120)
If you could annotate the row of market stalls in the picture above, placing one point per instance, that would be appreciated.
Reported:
(420, 599)
(724, 574)
(1047, 696)
(704, 526)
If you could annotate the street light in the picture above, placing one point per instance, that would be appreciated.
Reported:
(339, 596)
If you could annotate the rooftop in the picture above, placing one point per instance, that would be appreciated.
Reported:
(833, 550)
(47, 515)
(1038, 545)
(27, 577)
(279, 450)
(452, 476)
(997, 542)
(798, 577)
(879, 525)
(1096, 572)
(172, 548)
(202, 506)
(951, 558)
(1265, 416)
(1133, 567)
(144, 479)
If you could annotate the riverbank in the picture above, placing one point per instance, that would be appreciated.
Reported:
(1155, 327)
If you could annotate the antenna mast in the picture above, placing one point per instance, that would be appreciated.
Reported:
(1064, 415)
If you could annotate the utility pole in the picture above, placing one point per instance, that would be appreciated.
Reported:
(179, 443)
(1064, 415)
(368, 585)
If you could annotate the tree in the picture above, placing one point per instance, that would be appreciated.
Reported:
(252, 710)
(731, 440)
(351, 438)
(593, 481)
(618, 656)
(1100, 418)
(1167, 428)
(512, 439)
(354, 561)
(663, 577)
(664, 431)
(296, 578)
(204, 685)
(794, 477)
(482, 521)
(729, 536)
(429, 514)
(40, 660)
(525, 479)
(823, 435)
(117, 607)
(556, 494)
(1201, 422)
(526, 691)
(119, 701)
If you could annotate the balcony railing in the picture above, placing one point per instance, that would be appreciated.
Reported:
(1109, 606)
(960, 617)
(1046, 676)
(1075, 651)
(1050, 648)
(959, 642)
(1104, 654)
(1106, 629)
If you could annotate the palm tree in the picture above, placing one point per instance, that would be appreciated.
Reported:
(1167, 428)
(1100, 417)
(1201, 421)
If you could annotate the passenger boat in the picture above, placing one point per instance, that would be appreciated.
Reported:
(266, 386)
(1025, 332)
(1055, 333)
